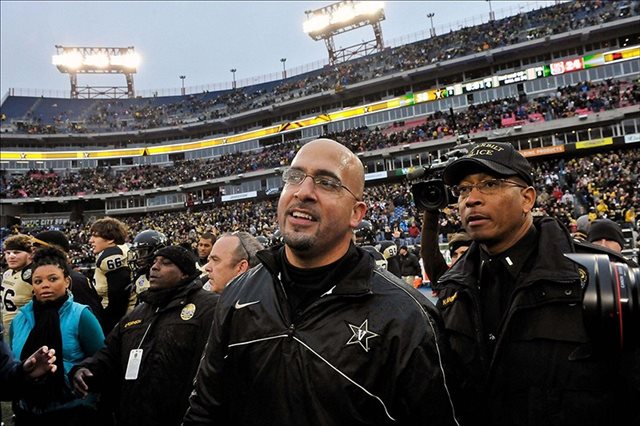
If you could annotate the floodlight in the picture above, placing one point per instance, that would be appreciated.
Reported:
(128, 61)
(97, 60)
(316, 23)
(344, 16)
(70, 60)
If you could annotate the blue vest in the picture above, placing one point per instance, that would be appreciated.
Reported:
(70, 313)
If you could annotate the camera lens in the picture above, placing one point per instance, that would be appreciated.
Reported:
(611, 300)
(430, 195)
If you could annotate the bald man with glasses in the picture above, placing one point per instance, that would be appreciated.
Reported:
(231, 255)
(513, 306)
(317, 334)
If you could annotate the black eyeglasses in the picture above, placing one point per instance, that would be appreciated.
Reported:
(244, 248)
(327, 184)
(488, 187)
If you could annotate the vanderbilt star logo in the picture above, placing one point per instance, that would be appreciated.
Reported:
(361, 335)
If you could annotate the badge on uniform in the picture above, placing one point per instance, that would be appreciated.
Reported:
(133, 366)
(584, 276)
(188, 312)
(26, 274)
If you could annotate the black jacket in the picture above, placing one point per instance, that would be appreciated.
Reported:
(409, 265)
(367, 352)
(85, 293)
(545, 368)
(178, 331)
(12, 375)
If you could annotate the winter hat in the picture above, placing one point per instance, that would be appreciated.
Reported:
(605, 229)
(52, 237)
(181, 257)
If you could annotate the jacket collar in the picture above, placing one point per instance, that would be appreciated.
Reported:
(553, 241)
(356, 281)
(170, 297)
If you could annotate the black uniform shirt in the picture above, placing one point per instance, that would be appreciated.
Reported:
(304, 286)
(497, 280)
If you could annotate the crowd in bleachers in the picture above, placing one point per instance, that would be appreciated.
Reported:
(602, 184)
(582, 98)
(68, 116)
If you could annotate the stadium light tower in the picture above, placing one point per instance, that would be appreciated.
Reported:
(182, 77)
(233, 71)
(432, 30)
(74, 60)
(337, 18)
(284, 69)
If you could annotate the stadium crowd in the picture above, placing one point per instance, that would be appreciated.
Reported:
(119, 115)
(582, 98)
(410, 333)
(602, 184)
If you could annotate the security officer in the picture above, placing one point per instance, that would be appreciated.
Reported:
(513, 307)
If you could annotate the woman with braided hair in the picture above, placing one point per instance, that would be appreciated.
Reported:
(53, 319)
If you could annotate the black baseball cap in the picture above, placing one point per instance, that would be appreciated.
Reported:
(495, 158)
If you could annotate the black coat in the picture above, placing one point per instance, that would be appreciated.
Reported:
(172, 349)
(409, 265)
(545, 368)
(85, 293)
(367, 352)
(12, 375)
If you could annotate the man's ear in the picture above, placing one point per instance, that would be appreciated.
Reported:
(359, 210)
(528, 199)
(243, 266)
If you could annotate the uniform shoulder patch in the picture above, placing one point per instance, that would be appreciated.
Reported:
(26, 273)
(449, 300)
(111, 258)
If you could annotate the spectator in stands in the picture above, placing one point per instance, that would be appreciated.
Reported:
(414, 233)
(231, 255)
(16, 290)
(54, 320)
(81, 287)
(630, 216)
(111, 277)
(150, 358)
(513, 307)
(315, 311)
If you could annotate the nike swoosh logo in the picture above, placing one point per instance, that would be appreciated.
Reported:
(244, 305)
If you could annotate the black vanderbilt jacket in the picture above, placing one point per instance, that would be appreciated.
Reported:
(367, 352)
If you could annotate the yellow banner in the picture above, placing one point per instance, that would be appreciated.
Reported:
(594, 143)
(69, 155)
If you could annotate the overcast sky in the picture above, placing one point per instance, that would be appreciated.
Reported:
(200, 40)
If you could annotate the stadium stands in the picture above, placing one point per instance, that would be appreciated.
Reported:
(556, 117)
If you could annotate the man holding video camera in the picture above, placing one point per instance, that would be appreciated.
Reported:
(513, 307)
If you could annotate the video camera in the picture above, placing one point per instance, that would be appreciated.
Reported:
(610, 301)
(430, 193)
